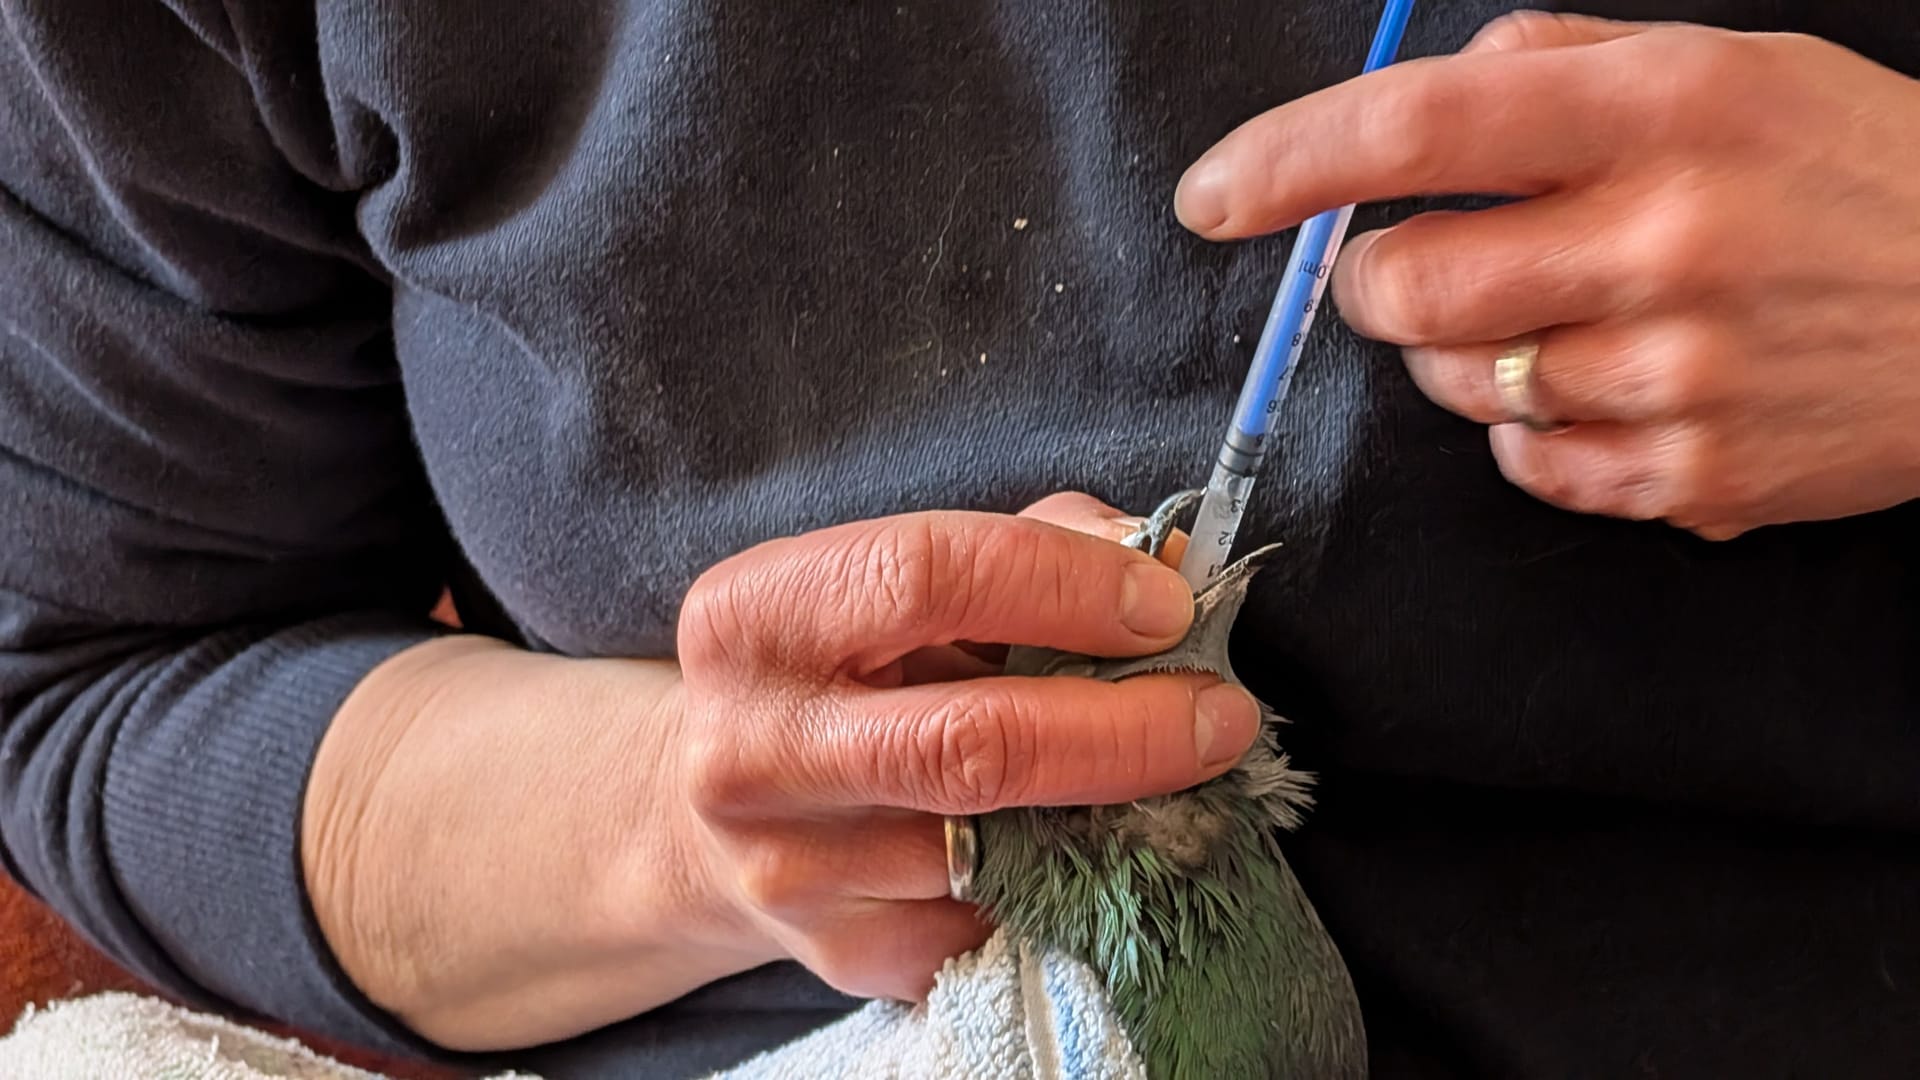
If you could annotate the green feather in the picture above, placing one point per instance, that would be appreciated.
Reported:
(1211, 952)
(1218, 971)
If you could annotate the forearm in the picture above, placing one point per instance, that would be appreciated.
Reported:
(496, 850)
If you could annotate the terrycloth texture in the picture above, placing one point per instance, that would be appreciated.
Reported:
(298, 298)
(1002, 1011)
(122, 1036)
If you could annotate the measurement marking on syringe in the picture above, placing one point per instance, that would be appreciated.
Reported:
(1290, 320)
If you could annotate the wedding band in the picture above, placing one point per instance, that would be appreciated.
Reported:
(1513, 376)
(963, 857)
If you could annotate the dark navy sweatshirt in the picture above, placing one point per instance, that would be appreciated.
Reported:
(306, 309)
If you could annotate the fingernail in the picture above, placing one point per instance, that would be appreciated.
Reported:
(1155, 601)
(1512, 449)
(1481, 42)
(1355, 249)
(1226, 719)
(1200, 200)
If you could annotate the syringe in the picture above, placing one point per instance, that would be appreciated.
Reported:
(1276, 356)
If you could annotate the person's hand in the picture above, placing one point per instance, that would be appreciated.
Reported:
(1717, 244)
(835, 706)
(506, 848)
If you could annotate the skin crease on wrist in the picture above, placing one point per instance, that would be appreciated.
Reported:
(506, 848)
(486, 881)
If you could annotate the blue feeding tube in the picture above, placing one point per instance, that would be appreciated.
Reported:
(1303, 287)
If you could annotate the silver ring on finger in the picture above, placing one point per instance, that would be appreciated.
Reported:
(1516, 378)
(963, 857)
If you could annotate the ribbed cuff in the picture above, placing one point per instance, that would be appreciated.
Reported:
(201, 816)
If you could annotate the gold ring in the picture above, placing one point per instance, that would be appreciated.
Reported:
(1513, 376)
(963, 857)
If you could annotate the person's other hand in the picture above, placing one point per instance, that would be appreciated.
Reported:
(833, 712)
(1716, 247)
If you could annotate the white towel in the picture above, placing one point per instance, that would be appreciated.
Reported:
(129, 1037)
(1002, 1011)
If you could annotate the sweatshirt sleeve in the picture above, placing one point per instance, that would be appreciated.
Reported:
(213, 522)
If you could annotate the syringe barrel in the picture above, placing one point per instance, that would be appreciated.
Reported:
(1289, 322)
(1210, 544)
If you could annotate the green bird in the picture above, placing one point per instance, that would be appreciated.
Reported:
(1214, 959)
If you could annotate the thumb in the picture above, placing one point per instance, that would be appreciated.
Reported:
(1523, 31)
(1084, 513)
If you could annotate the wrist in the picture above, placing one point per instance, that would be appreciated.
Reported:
(496, 847)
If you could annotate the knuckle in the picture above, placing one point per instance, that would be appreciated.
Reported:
(1404, 291)
(720, 783)
(1678, 248)
(1684, 71)
(903, 570)
(742, 757)
(774, 879)
(1454, 381)
(1672, 374)
(1413, 122)
(1534, 473)
(1006, 565)
(1518, 30)
(1658, 478)
(1612, 483)
(1628, 486)
(713, 629)
(1799, 45)
(1637, 386)
(1690, 371)
(1131, 746)
(973, 753)
(1696, 486)
(1713, 63)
